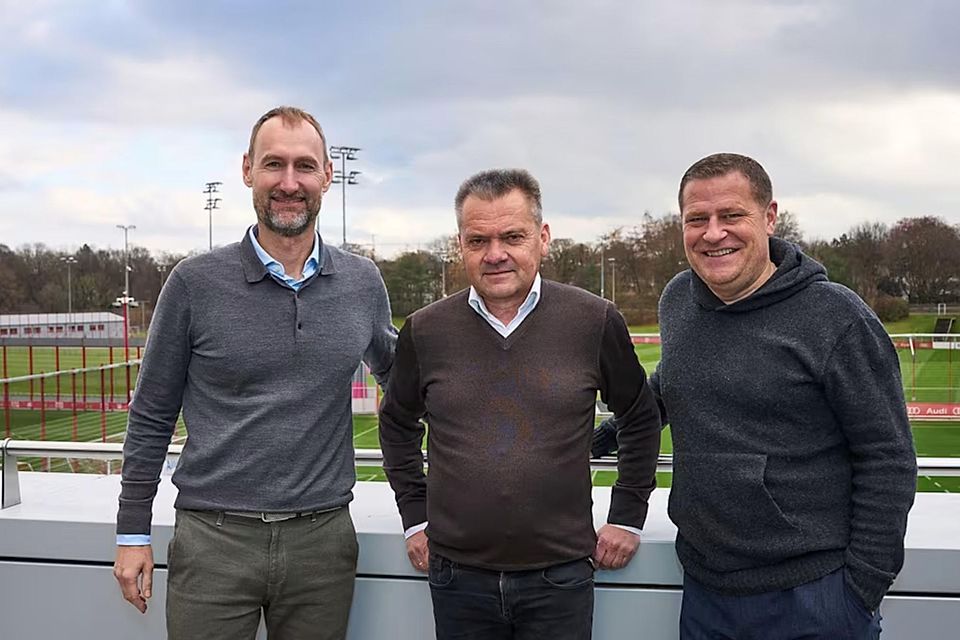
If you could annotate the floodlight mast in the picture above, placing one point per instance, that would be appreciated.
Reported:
(341, 177)
(210, 206)
(125, 301)
(69, 261)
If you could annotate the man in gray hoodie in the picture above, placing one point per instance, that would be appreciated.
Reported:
(794, 466)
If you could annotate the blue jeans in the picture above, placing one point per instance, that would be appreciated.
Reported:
(477, 604)
(825, 609)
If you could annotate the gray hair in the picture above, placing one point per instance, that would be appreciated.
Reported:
(495, 183)
(721, 164)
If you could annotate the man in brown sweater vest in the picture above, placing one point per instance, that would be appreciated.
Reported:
(506, 375)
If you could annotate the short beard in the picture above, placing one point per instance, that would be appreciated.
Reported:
(295, 227)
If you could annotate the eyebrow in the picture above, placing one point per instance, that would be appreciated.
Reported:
(274, 156)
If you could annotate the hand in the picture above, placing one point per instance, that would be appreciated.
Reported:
(604, 440)
(615, 547)
(133, 569)
(417, 551)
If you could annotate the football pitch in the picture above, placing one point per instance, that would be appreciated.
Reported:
(50, 359)
(928, 376)
(932, 439)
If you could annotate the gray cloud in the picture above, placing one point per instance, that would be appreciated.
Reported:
(847, 104)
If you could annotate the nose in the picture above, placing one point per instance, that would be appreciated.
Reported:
(715, 231)
(495, 253)
(288, 180)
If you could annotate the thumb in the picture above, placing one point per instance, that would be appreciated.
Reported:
(147, 583)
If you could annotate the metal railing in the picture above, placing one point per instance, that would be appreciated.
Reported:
(13, 449)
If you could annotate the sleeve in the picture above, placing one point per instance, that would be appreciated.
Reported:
(862, 381)
(655, 387)
(625, 390)
(401, 431)
(155, 406)
(379, 353)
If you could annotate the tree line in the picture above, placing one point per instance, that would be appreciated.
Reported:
(915, 261)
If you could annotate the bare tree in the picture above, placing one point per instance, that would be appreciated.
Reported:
(925, 259)
(788, 227)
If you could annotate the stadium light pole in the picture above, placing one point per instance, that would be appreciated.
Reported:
(341, 177)
(602, 269)
(210, 206)
(125, 301)
(162, 270)
(69, 261)
(442, 256)
(613, 280)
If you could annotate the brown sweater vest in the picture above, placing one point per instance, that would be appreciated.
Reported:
(510, 422)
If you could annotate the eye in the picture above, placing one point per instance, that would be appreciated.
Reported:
(476, 243)
(733, 216)
(695, 220)
(307, 167)
(515, 238)
(271, 164)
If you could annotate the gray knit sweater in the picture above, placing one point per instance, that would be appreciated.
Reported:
(263, 375)
(793, 455)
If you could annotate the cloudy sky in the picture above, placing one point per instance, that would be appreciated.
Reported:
(119, 112)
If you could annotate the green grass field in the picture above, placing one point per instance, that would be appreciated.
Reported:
(929, 376)
(933, 439)
(45, 361)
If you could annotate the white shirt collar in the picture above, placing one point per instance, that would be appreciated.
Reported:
(529, 304)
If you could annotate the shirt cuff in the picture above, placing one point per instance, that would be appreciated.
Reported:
(132, 540)
(632, 530)
(417, 528)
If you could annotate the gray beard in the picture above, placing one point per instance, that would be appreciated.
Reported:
(295, 228)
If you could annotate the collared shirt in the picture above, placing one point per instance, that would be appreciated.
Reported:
(529, 304)
(310, 267)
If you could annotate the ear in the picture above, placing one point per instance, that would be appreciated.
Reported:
(327, 176)
(544, 240)
(247, 171)
(771, 214)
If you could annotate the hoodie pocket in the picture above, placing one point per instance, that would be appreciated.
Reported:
(723, 509)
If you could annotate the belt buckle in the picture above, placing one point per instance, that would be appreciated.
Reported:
(277, 517)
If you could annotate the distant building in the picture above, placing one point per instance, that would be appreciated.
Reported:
(96, 324)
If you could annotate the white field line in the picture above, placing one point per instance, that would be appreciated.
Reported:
(365, 432)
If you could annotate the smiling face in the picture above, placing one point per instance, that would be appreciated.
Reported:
(502, 246)
(288, 176)
(725, 235)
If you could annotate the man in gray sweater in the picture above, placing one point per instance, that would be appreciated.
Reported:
(794, 466)
(257, 343)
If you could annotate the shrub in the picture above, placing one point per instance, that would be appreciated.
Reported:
(891, 309)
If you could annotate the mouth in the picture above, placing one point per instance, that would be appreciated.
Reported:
(719, 253)
(283, 198)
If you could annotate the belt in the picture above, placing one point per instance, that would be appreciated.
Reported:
(264, 516)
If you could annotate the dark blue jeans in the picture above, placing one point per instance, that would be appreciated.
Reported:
(477, 604)
(825, 609)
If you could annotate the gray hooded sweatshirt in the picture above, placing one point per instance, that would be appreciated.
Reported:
(793, 455)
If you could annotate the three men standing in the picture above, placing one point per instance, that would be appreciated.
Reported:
(257, 342)
(794, 466)
(506, 375)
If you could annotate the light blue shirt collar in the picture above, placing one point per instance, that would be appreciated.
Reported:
(275, 269)
(529, 304)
